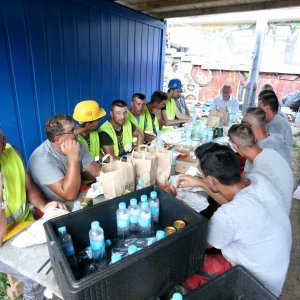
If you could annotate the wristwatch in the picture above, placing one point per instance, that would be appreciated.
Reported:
(3, 204)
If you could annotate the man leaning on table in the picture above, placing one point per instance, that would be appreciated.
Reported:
(16, 188)
(226, 100)
(59, 164)
(251, 227)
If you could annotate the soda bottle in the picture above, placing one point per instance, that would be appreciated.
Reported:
(154, 207)
(66, 243)
(97, 241)
(145, 220)
(122, 221)
(134, 211)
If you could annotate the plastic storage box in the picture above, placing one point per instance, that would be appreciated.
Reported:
(146, 274)
(236, 283)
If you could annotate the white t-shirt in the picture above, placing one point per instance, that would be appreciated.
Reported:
(232, 103)
(280, 126)
(275, 142)
(253, 230)
(270, 164)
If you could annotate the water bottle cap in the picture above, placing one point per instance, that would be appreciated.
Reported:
(144, 198)
(95, 225)
(133, 201)
(62, 230)
(132, 249)
(160, 234)
(116, 256)
(108, 243)
(122, 205)
(145, 205)
(141, 181)
(153, 194)
(176, 296)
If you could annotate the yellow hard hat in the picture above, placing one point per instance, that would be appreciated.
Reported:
(87, 111)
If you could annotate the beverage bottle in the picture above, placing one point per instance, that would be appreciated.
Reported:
(97, 241)
(145, 220)
(159, 143)
(140, 243)
(141, 184)
(66, 243)
(122, 221)
(134, 212)
(154, 207)
(174, 159)
(144, 198)
(76, 206)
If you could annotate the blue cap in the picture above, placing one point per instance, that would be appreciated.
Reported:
(116, 256)
(176, 296)
(95, 225)
(122, 205)
(144, 198)
(62, 230)
(133, 201)
(108, 243)
(132, 249)
(175, 84)
(160, 234)
(153, 194)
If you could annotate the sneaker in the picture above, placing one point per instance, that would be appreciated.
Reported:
(296, 194)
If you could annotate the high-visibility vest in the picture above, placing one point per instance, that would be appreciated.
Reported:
(127, 135)
(14, 190)
(150, 128)
(171, 113)
(94, 147)
(139, 124)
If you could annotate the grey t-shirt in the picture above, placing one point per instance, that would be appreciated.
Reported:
(275, 142)
(280, 126)
(46, 166)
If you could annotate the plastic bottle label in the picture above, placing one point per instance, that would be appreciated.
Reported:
(123, 223)
(96, 246)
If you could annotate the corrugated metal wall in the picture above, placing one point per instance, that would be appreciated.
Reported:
(55, 53)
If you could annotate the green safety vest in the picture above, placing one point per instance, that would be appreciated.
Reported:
(134, 121)
(150, 128)
(171, 113)
(94, 148)
(14, 190)
(127, 135)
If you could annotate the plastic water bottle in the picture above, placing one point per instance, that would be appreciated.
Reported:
(134, 212)
(122, 221)
(174, 159)
(145, 220)
(66, 243)
(76, 206)
(97, 241)
(144, 198)
(159, 143)
(140, 243)
(154, 207)
(141, 184)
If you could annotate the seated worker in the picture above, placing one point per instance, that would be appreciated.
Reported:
(57, 165)
(251, 228)
(153, 112)
(87, 113)
(255, 117)
(16, 188)
(267, 162)
(137, 116)
(226, 100)
(171, 116)
(275, 122)
(116, 134)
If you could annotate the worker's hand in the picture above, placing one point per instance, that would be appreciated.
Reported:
(55, 204)
(185, 181)
(70, 148)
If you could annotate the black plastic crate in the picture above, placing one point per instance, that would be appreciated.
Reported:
(237, 283)
(146, 274)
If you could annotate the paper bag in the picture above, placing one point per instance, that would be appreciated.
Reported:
(117, 177)
(218, 117)
(145, 164)
(164, 163)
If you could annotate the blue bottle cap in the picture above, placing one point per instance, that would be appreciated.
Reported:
(122, 205)
(160, 234)
(116, 256)
(108, 243)
(176, 296)
(132, 249)
(133, 201)
(95, 225)
(153, 194)
(62, 230)
(144, 198)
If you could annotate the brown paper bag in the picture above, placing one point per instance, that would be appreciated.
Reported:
(117, 177)
(145, 164)
(164, 163)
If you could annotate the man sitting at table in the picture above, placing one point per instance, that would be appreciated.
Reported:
(267, 162)
(116, 134)
(226, 100)
(16, 187)
(255, 117)
(57, 165)
(252, 229)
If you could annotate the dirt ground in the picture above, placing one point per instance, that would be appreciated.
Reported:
(291, 288)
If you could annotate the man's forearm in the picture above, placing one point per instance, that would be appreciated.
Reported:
(72, 181)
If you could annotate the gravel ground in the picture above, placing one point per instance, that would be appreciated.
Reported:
(291, 288)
